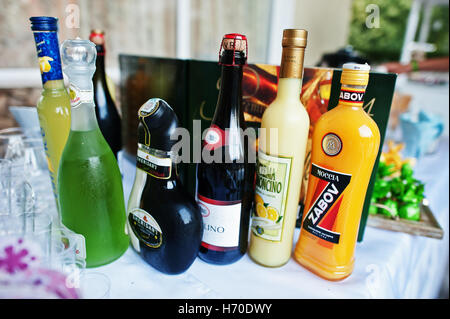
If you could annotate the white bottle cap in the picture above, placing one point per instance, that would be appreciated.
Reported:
(356, 66)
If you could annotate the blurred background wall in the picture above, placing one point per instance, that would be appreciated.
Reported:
(193, 29)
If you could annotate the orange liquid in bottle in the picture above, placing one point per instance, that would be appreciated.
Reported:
(345, 146)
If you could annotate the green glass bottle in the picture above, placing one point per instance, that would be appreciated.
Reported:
(90, 187)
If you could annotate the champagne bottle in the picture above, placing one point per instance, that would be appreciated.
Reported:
(90, 186)
(53, 107)
(164, 221)
(225, 183)
(281, 157)
(108, 117)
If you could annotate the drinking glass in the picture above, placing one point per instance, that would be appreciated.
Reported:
(11, 143)
(94, 285)
(5, 186)
(22, 197)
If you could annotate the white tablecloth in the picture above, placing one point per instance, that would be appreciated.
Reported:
(388, 264)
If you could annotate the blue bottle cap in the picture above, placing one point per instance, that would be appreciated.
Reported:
(44, 23)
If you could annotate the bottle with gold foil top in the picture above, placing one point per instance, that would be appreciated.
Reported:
(281, 156)
(345, 145)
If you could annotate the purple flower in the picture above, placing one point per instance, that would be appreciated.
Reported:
(14, 259)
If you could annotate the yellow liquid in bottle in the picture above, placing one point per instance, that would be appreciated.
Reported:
(54, 118)
(360, 139)
(281, 157)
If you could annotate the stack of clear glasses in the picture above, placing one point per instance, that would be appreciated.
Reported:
(31, 234)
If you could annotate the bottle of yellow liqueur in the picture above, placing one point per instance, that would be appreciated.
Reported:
(281, 156)
(345, 145)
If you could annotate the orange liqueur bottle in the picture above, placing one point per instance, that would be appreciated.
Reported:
(345, 145)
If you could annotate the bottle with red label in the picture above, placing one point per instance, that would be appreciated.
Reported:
(226, 173)
(345, 145)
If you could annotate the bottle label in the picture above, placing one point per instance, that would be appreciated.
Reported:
(221, 223)
(331, 144)
(321, 216)
(47, 47)
(78, 96)
(156, 163)
(215, 137)
(272, 182)
(353, 96)
(145, 227)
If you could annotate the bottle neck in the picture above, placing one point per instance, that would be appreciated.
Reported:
(291, 73)
(230, 96)
(352, 95)
(83, 117)
(100, 62)
(289, 88)
(47, 47)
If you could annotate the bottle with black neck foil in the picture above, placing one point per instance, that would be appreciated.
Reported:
(108, 117)
(225, 175)
(164, 221)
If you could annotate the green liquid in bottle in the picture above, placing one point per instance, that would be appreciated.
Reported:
(91, 204)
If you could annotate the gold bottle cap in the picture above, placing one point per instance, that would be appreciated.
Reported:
(294, 44)
(355, 74)
(294, 38)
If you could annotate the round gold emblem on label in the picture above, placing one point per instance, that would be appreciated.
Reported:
(331, 144)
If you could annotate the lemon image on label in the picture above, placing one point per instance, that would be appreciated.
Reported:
(258, 199)
(261, 210)
(272, 214)
(44, 64)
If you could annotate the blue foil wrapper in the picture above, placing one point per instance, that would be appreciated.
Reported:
(47, 47)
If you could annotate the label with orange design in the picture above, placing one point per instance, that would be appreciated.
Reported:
(321, 217)
(272, 180)
(353, 96)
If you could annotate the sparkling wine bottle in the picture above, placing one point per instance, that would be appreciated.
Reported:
(225, 183)
(90, 186)
(108, 117)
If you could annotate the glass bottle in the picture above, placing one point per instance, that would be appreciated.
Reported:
(108, 117)
(53, 107)
(164, 221)
(345, 145)
(225, 175)
(281, 157)
(90, 186)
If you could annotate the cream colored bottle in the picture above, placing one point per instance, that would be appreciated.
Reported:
(281, 156)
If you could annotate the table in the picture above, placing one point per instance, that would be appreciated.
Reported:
(388, 264)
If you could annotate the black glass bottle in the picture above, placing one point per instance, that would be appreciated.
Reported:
(225, 175)
(164, 221)
(108, 117)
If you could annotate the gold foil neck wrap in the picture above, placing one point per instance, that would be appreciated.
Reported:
(237, 44)
(292, 62)
(294, 44)
(294, 38)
